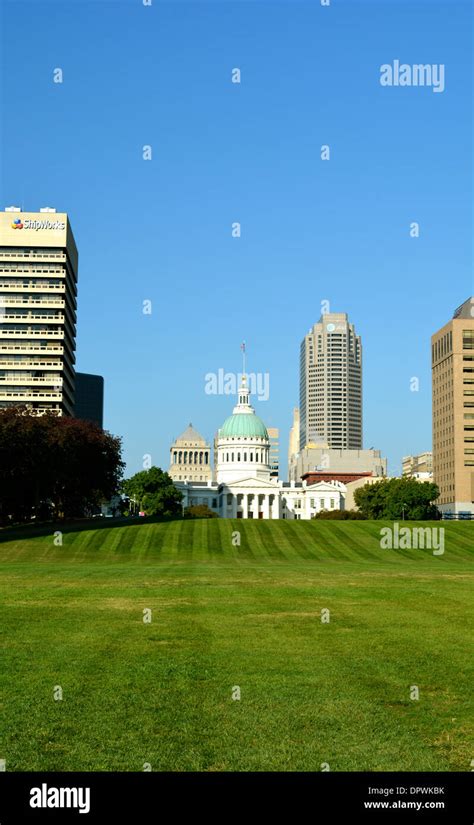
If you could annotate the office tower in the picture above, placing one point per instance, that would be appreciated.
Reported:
(274, 436)
(89, 402)
(38, 278)
(452, 358)
(331, 384)
(190, 457)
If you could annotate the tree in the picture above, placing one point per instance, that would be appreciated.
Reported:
(89, 468)
(153, 492)
(396, 498)
(54, 465)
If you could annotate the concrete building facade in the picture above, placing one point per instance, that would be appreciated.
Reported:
(190, 457)
(294, 439)
(418, 466)
(320, 458)
(452, 361)
(38, 303)
(274, 436)
(331, 384)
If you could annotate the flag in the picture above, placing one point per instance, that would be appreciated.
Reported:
(242, 346)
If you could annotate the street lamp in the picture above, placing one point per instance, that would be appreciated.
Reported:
(403, 510)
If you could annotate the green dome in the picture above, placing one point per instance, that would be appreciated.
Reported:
(243, 425)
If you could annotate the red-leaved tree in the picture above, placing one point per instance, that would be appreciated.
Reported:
(62, 464)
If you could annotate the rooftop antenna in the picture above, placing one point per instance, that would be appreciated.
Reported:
(242, 347)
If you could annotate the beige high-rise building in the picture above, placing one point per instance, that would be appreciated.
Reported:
(190, 457)
(331, 384)
(452, 358)
(38, 292)
(414, 466)
(274, 436)
(294, 440)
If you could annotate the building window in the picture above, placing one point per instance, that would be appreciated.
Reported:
(468, 339)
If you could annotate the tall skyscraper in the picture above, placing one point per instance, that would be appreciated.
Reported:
(38, 278)
(89, 400)
(452, 358)
(274, 436)
(331, 384)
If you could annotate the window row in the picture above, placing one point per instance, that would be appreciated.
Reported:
(190, 457)
(260, 456)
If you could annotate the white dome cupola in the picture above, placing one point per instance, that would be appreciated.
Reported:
(243, 445)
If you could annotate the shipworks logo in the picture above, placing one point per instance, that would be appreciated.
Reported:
(44, 224)
(37, 224)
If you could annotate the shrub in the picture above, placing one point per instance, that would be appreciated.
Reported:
(199, 511)
(340, 515)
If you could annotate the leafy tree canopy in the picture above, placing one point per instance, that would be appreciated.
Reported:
(396, 498)
(153, 492)
(61, 464)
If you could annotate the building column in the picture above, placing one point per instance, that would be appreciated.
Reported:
(266, 507)
(255, 506)
(276, 506)
(249, 506)
(245, 506)
(234, 506)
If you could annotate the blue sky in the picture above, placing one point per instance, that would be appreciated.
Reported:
(160, 230)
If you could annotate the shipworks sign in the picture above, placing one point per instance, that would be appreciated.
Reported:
(37, 224)
(46, 229)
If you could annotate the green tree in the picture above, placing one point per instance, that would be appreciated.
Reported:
(398, 498)
(153, 492)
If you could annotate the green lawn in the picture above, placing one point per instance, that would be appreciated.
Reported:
(226, 616)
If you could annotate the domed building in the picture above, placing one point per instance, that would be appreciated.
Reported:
(190, 457)
(243, 445)
(243, 487)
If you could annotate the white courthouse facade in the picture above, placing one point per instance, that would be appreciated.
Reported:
(243, 487)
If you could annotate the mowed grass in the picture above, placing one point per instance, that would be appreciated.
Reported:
(227, 616)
